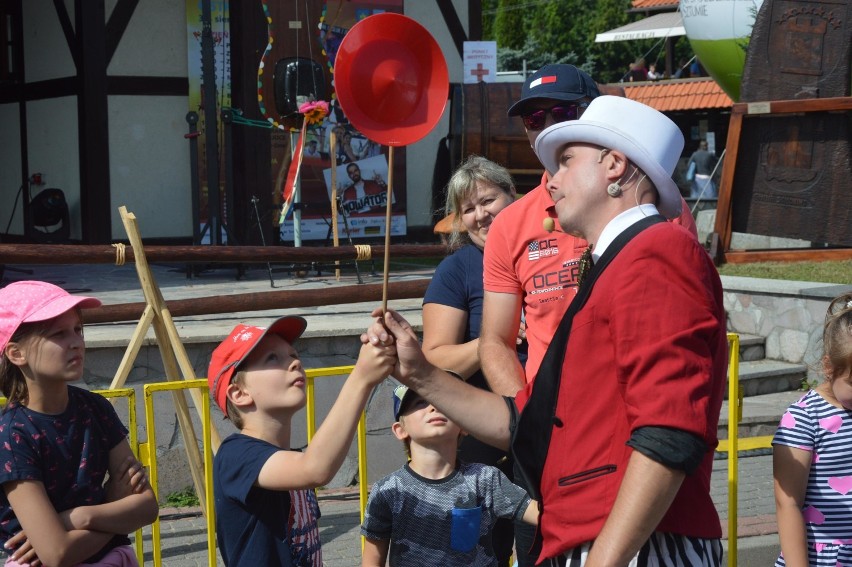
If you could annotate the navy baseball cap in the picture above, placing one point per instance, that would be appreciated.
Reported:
(557, 82)
(401, 394)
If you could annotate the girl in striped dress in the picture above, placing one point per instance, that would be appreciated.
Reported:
(812, 459)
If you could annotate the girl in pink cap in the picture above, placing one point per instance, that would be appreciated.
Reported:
(58, 442)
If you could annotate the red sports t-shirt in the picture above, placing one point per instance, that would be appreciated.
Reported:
(524, 259)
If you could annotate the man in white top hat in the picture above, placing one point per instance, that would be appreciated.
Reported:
(616, 434)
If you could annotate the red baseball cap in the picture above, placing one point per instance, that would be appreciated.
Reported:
(391, 79)
(231, 352)
(32, 301)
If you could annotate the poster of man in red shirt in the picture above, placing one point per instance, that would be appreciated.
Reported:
(362, 185)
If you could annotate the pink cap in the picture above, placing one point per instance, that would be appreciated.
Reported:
(235, 349)
(31, 301)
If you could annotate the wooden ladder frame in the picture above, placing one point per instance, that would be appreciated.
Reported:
(175, 360)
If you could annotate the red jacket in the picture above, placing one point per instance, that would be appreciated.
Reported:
(649, 348)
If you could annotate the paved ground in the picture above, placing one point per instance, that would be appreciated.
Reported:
(183, 532)
(184, 542)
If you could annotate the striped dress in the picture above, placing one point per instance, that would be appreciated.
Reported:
(812, 424)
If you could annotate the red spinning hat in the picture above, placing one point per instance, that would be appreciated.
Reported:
(391, 79)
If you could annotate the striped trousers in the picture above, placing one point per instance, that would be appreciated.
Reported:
(661, 550)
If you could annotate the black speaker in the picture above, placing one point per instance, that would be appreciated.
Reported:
(297, 77)
(49, 209)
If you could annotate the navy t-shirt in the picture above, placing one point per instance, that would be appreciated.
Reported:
(67, 452)
(457, 283)
(256, 526)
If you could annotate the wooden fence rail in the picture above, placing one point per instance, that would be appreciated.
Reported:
(106, 254)
(261, 301)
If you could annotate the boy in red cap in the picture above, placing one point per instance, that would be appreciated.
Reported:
(266, 512)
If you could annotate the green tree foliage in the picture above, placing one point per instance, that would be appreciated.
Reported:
(509, 23)
(489, 10)
(563, 31)
(534, 55)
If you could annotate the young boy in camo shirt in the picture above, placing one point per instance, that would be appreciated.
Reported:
(436, 510)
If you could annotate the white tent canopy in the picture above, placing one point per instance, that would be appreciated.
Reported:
(668, 24)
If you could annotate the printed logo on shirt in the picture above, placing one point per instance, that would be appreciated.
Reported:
(547, 283)
(537, 249)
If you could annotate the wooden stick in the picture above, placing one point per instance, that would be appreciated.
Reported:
(332, 147)
(387, 231)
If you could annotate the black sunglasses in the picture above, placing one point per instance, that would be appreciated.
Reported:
(561, 113)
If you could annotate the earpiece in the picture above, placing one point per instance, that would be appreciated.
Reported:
(613, 189)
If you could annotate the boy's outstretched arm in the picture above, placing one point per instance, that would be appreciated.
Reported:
(375, 552)
(317, 465)
(481, 413)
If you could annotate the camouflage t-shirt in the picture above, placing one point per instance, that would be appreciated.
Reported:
(445, 522)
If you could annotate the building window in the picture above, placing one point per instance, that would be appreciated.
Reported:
(10, 41)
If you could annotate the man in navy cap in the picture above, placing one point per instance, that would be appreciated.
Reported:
(531, 264)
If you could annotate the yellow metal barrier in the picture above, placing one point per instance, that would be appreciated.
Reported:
(130, 394)
(147, 454)
(734, 444)
(149, 448)
(313, 373)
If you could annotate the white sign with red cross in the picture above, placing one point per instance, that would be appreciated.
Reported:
(480, 61)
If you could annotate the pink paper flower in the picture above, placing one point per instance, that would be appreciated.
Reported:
(314, 111)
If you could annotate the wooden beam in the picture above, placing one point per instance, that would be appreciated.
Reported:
(93, 122)
(147, 86)
(454, 25)
(70, 37)
(266, 300)
(251, 148)
(117, 24)
(788, 255)
(105, 254)
(474, 21)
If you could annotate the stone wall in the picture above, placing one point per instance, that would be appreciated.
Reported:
(789, 315)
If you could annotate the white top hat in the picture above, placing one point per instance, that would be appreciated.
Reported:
(646, 136)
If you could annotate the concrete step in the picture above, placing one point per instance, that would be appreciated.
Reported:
(752, 347)
(758, 377)
(760, 414)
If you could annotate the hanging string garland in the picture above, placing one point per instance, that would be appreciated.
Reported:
(260, 69)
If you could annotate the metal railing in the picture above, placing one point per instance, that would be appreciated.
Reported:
(148, 456)
(733, 444)
(146, 451)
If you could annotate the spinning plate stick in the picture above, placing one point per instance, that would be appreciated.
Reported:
(391, 80)
(332, 149)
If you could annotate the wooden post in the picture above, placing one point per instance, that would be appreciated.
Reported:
(175, 359)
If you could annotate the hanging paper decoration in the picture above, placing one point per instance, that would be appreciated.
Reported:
(314, 113)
